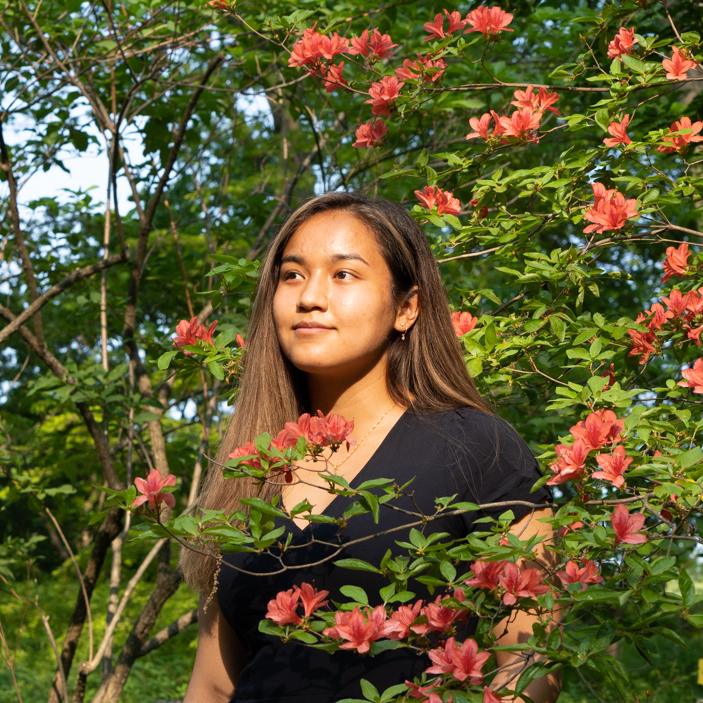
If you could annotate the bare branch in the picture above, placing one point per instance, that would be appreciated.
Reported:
(175, 628)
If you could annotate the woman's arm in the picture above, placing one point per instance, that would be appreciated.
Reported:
(517, 628)
(218, 660)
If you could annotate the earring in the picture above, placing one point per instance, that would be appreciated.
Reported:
(402, 336)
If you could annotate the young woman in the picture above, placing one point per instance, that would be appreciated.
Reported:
(351, 318)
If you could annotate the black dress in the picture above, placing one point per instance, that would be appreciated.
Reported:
(465, 452)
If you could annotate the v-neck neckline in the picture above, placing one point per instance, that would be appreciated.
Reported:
(371, 460)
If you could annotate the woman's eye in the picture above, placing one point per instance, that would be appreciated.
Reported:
(345, 275)
(289, 275)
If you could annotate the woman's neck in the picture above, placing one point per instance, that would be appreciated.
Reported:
(361, 399)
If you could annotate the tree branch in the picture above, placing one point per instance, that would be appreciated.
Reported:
(175, 628)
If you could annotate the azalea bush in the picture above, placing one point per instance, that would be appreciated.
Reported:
(552, 158)
(626, 475)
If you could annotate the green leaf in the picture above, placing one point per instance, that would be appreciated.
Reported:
(635, 64)
(688, 590)
(165, 360)
(216, 370)
(558, 327)
(370, 691)
(356, 565)
(355, 593)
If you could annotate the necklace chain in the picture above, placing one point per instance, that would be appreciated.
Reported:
(335, 467)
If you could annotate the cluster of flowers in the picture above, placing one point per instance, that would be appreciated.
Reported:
(675, 67)
(434, 196)
(677, 142)
(189, 332)
(681, 312)
(599, 429)
(522, 124)
(610, 210)
(463, 322)
(316, 52)
(320, 432)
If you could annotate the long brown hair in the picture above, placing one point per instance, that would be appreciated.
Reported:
(425, 371)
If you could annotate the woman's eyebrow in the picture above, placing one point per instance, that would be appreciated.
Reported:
(295, 259)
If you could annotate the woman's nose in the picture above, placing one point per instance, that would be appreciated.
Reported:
(314, 295)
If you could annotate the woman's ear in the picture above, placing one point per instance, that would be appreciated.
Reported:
(408, 310)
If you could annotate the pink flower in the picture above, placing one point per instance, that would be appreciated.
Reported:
(570, 462)
(151, 490)
(588, 573)
(282, 609)
(370, 134)
(626, 526)
(441, 618)
(675, 302)
(486, 574)
(332, 77)
(248, 449)
(525, 583)
(610, 210)
(312, 599)
(623, 43)
(358, 629)
(618, 130)
(462, 663)
(694, 302)
(217, 4)
(676, 262)
(613, 466)
(480, 126)
(381, 45)
(693, 377)
(403, 618)
(189, 332)
(490, 697)
(540, 102)
(463, 322)
(422, 692)
(315, 46)
(446, 203)
(383, 94)
(681, 142)
(522, 125)
(599, 428)
(433, 69)
(677, 66)
(488, 21)
(411, 70)
(435, 29)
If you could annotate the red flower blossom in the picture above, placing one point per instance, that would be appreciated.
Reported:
(360, 629)
(383, 95)
(623, 43)
(525, 583)
(570, 462)
(642, 342)
(370, 134)
(618, 130)
(681, 142)
(463, 322)
(330, 431)
(315, 46)
(189, 332)
(151, 490)
(217, 4)
(436, 29)
(610, 210)
(677, 66)
(694, 301)
(489, 21)
(312, 599)
(431, 196)
(613, 466)
(522, 125)
(403, 618)
(381, 45)
(694, 334)
(693, 377)
(462, 663)
(675, 302)
(676, 262)
(422, 692)
(599, 428)
(411, 70)
(486, 574)
(588, 573)
(490, 697)
(565, 529)
(610, 375)
(332, 77)
(626, 526)
(441, 618)
(282, 609)
(246, 450)
(540, 103)
(433, 68)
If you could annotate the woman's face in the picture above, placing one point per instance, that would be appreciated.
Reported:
(332, 308)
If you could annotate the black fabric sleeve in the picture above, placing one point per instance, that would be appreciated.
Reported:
(489, 463)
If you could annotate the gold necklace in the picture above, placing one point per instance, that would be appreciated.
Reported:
(335, 468)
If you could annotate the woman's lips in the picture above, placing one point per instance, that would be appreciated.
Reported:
(311, 330)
